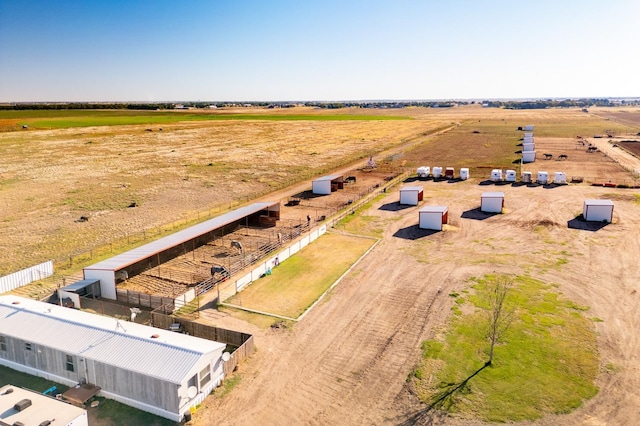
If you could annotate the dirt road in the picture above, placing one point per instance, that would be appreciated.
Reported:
(347, 362)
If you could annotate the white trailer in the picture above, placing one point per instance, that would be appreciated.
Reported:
(464, 173)
(496, 175)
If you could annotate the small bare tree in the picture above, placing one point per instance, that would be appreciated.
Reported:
(500, 316)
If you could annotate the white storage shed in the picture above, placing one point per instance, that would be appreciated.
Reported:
(464, 173)
(526, 177)
(598, 210)
(559, 177)
(528, 134)
(528, 157)
(496, 175)
(543, 178)
(528, 128)
(510, 175)
(324, 185)
(423, 172)
(528, 147)
(492, 202)
(411, 195)
(433, 217)
(437, 172)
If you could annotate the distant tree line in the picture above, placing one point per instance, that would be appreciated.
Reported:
(510, 104)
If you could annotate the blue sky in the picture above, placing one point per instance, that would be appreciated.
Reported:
(277, 50)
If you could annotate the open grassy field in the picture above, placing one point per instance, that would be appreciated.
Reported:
(184, 173)
(290, 289)
(63, 119)
(546, 361)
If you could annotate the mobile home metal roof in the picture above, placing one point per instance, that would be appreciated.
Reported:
(170, 356)
(143, 252)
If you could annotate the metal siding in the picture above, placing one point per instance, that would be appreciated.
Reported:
(90, 338)
(26, 276)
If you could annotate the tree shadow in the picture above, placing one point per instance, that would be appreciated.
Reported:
(440, 402)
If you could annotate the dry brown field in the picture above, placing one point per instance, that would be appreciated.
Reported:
(347, 362)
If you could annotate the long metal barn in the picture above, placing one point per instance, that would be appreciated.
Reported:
(119, 268)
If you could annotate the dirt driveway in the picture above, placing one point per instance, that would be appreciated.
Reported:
(347, 362)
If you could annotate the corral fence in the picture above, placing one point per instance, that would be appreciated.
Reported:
(239, 344)
(26, 276)
(136, 298)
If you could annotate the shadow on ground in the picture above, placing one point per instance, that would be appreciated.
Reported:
(414, 232)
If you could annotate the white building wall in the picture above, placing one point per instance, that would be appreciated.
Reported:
(491, 204)
(321, 187)
(409, 197)
(26, 276)
(597, 213)
(430, 220)
(107, 281)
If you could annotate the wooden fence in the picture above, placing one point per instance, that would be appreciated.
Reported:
(241, 344)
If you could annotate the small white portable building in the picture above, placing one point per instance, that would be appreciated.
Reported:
(598, 210)
(559, 177)
(528, 139)
(528, 134)
(411, 195)
(528, 157)
(424, 172)
(326, 184)
(492, 202)
(528, 147)
(433, 217)
(526, 177)
(528, 128)
(464, 173)
(496, 175)
(437, 172)
(20, 406)
(510, 175)
(542, 178)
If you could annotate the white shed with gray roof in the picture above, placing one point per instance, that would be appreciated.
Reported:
(155, 370)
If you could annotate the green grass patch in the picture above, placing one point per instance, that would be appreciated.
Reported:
(62, 119)
(298, 282)
(545, 363)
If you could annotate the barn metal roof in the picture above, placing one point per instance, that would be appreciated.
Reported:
(597, 202)
(328, 177)
(130, 257)
(412, 188)
(169, 357)
(80, 285)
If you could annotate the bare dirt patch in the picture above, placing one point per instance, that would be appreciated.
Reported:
(347, 362)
